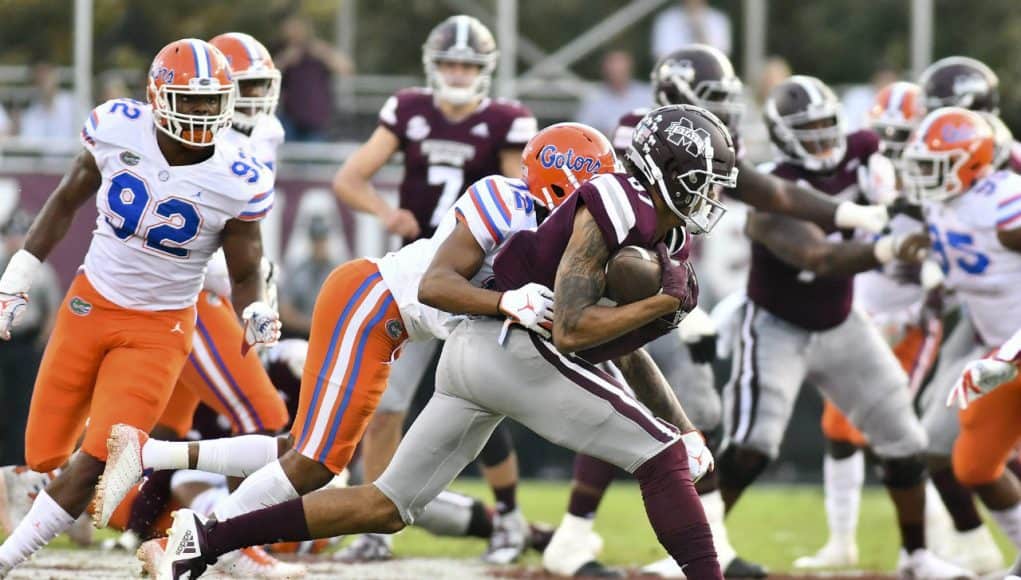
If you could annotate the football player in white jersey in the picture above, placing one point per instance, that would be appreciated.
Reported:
(974, 218)
(167, 199)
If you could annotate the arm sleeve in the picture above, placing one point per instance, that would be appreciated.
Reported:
(486, 213)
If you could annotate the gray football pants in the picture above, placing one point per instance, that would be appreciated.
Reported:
(406, 374)
(942, 423)
(692, 383)
(850, 363)
(565, 400)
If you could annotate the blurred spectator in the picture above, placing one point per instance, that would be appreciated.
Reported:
(300, 286)
(775, 71)
(114, 87)
(619, 94)
(858, 100)
(19, 358)
(690, 22)
(5, 123)
(306, 91)
(52, 113)
(754, 136)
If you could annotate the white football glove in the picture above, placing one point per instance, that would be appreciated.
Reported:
(530, 306)
(700, 460)
(12, 307)
(869, 218)
(878, 181)
(262, 325)
(978, 378)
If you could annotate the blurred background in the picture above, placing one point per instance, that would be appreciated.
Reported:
(585, 60)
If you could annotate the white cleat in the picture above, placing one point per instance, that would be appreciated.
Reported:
(573, 545)
(183, 549)
(835, 554)
(665, 568)
(18, 487)
(254, 562)
(151, 554)
(924, 565)
(977, 551)
(5, 569)
(123, 470)
(509, 540)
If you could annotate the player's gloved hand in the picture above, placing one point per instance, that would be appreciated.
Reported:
(869, 218)
(402, 223)
(913, 247)
(980, 377)
(12, 307)
(698, 332)
(530, 306)
(262, 325)
(700, 459)
(878, 181)
(679, 281)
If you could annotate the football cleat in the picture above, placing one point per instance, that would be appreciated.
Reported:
(835, 554)
(573, 547)
(924, 565)
(123, 470)
(741, 568)
(975, 550)
(254, 562)
(183, 556)
(151, 554)
(367, 548)
(18, 487)
(509, 540)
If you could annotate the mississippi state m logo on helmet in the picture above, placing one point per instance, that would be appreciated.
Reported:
(695, 141)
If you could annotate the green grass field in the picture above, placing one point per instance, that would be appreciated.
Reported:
(772, 525)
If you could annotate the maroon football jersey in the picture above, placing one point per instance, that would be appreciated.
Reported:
(625, 215)
(442, 158)
(801, 298)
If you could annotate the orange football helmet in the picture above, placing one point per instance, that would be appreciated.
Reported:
(250, 64)
(898, 109)
(950, 150)
(561, 157)
(190, 67)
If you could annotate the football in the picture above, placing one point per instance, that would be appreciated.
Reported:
(632, 274)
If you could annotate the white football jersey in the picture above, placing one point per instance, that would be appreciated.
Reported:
(267, 136)
(886, 297)
(985, 274)
(493, 209)
(159, 224)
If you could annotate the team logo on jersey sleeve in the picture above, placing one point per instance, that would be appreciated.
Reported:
(418, 128)
(79, 306)
(129, 158)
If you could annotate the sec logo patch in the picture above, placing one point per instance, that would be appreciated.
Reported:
(394, 328)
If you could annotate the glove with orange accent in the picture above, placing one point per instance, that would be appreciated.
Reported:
(262, 325)
(700, 459)
(14, 286)
(530, 306)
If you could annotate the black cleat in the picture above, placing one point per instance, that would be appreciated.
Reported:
(741, 568)
(595, 569)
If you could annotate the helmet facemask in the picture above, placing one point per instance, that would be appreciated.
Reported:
(454, 95)
(193, 130)
(932, 175)
(247, 109)
(813, 139)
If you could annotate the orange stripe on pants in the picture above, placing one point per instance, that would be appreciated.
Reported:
(105, 363)
(836, 426)
(356, 333)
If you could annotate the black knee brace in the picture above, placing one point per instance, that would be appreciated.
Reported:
(498, 448)
(738, 468)
(902, 472)
(840, 449)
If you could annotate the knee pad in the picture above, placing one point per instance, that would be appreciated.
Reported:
(902, 472)
(498, 448)
(738, 467)
(840, 449)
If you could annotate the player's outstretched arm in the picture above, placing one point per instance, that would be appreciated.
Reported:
(768, 193)
(446, 284)
(242, 246)
(50, 226)
(804, 246)
(652, 388)
(580, 323)
(353, 183)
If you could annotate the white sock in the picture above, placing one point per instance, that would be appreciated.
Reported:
(266, 487)
(159, 455)
(44, 521)
(236, 456)
(715, 512)
(1010, 522)
(205, 503)
(843, 480)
